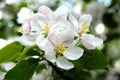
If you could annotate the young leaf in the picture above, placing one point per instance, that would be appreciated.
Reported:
(23, 70)
(10, 52)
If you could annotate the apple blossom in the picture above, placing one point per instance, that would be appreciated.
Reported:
(59, 48)
(54, 31)
(41, 23)
(81, 28)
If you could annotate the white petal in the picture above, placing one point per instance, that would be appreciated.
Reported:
(26, 40)
(50, 55)
(36, 21)
(73, 53)
(90, 41)
(41, 42)
(65, 36)
(61, 13)
(64, 63)
(49, 51)
(66, 39)
(76, 41)
(51, 37)
(87, 18)
(73, 20)
(74, 23)
(45, 11)
(24, 15)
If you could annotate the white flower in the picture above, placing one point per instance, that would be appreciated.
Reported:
(59, 48)
(24, 15)
(52, 21)
(39, 24)
(81, 28)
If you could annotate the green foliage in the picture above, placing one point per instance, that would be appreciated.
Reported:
(23, 70)
(113, 3)
(10, 52)
(3, 25)
(2, 69)
(92, 59)
(28, 52)
(75, 74)
(40, 67)
(109, 20)
(87, 1)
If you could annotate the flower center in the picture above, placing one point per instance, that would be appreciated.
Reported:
(20, 29)
(84, 28)
(46, 29)
(60, 48)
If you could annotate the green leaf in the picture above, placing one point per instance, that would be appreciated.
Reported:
(113, 3)
(28, 52)
(92, 59)
(23, 70)
(40, 67)
(2, 69)
(10, 52)
(79, 74)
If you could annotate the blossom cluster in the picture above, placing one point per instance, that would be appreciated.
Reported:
(58, 34)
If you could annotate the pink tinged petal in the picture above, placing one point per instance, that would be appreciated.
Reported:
(90, 41)
(73, 20)
(26, 28)
(50, 55)
(61, 13)
(73, 53)
(74, 23)
(45, 11)
(87, 45)
(87, 18)
(63, 63)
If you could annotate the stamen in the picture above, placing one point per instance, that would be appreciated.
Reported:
(60, 48)
(84, 28)
(20, 29)
(46, 29)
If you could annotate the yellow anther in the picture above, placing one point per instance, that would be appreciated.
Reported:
(84, 28)
(60, 48)
(46, 29)
(20, 29)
